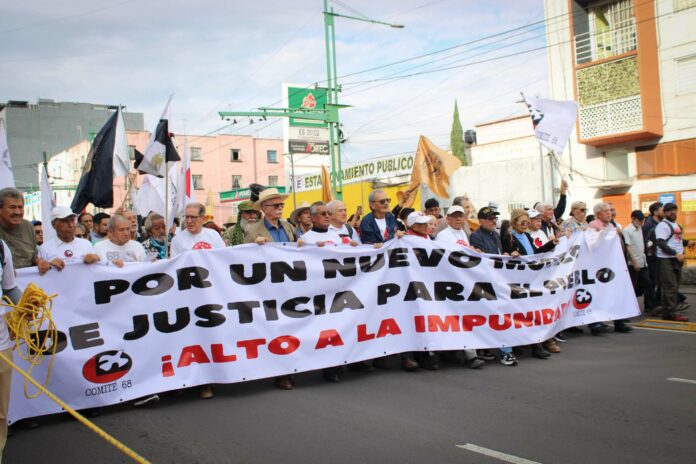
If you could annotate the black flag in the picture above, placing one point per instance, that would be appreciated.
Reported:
(160, 152)
(97, 182)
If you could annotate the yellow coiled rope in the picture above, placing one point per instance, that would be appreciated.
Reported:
(24, 321)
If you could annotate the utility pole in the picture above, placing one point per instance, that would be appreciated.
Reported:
(328, 114)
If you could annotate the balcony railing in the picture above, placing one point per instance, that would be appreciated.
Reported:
(611, 118)
(617, 39)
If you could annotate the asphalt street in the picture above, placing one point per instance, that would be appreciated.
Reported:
(603, 399)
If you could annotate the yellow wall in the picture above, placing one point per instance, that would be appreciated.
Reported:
(354, 194)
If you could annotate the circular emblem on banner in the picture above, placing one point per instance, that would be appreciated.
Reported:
(107, 366)
(202, 246)
(582, 298)
(68, 253)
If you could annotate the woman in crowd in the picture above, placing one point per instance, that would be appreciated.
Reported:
(577, 221)
(520, 243)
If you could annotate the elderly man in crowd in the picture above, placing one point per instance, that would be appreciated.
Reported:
(454, 232)
(246, 217)
(17, 232)
(133, 219)
(301, 219)
(577, 220)
(100, 228)
(338, 221)
(603, 224)
(65, 247)
(195, 236)
(118, 248)
(155, 243)
(378, 226)
(272, 229)
(486, 239)
(670, 257)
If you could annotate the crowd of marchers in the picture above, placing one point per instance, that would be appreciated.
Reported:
(653, 247)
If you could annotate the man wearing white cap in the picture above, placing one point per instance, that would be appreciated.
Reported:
(65, 247)
(454, 233)
(417, 224)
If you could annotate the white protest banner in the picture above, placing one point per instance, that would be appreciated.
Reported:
(249, 312)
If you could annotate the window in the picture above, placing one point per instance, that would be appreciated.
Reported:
(666, 159)
(680, 5)
(607, 29)
(271, 156)
(236, 182)
(197, 181)
(686, 75)
(235, 154)
(616, 165)
(272, 181)
(131, 152)
(196, 154)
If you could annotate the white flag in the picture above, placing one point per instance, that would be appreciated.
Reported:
(47, 204)
(148, 198)
(121, 157)
(6, 176)
(553, 121)
(160, 148)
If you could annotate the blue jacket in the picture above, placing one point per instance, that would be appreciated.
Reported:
(369, 231)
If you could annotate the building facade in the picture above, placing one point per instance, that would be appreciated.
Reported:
(631, 66)
(50, 127)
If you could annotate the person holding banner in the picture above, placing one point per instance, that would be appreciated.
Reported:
(379, 226)
(118, 248)
(272, 229)
(195, 236)
(339, 221)
(10, 290)
(486, 239)
(65, 247)
(603, 225)
(577, 220)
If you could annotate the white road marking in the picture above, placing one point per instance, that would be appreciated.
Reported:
(677, 379)
(496, 454)
(664, 330)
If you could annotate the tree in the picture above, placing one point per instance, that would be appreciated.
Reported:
(457, 137)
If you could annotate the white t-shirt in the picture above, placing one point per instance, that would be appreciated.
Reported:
(343, 233)
(382, 224)
(539, 237)
(8, 283)
(131, 252)
(329, 238)
(674, 240)
(206, 239)
(72, 252)
(451, 235)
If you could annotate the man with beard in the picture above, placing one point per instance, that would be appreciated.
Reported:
(247, 216)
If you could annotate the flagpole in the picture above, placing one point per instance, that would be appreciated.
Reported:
(166, 210)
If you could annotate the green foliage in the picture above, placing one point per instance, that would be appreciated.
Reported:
(457, 137)
(608, 81)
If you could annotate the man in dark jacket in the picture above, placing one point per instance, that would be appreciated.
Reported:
(486, 238)
(379, 226)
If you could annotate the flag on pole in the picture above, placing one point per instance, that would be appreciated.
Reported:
(553, 121)
(47, 204)
(161, 149)
(152, 196)
(326, 192)
(433, 167)
(96, 185)
(6, 176)
(121, 158)
(185, 188)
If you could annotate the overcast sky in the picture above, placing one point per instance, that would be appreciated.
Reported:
(219, 55)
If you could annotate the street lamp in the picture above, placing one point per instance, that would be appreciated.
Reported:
(333, 88)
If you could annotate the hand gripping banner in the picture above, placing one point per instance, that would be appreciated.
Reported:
(249, 312)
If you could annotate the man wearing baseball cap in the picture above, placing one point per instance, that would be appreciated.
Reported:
(670, 257)
(65, 247)
(454, 233)
(417, 224)
(486, 238)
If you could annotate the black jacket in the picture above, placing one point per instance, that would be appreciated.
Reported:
(511, 243)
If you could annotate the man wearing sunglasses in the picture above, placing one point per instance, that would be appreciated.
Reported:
(577, 220)
(379, 226)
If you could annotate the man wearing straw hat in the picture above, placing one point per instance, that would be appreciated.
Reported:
(301, 219)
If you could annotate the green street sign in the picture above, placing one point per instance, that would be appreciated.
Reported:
(311, 99)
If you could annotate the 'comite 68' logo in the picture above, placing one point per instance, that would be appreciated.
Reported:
(107, 366)
(582, 298)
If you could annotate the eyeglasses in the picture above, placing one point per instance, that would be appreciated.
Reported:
(385, 201)
(524, 223)
(275, 205)
(322, 213)
(79, 236)
(582, 210)
(191, 218)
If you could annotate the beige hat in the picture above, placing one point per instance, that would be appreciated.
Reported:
(230, 220)
(266, 195)
(300, 208)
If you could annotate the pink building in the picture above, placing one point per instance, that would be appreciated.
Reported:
(222, 163)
